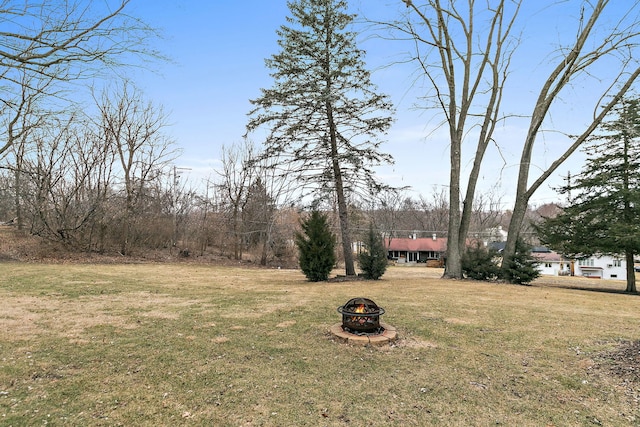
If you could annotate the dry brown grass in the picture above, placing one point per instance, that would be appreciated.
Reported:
(176, 344)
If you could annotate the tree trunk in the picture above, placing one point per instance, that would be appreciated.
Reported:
(343, 215)
(126, 228)
(517, 219)
(129, 213)
(263, 255)
(267, 235)
(631, 273)
(236, 234)
(453, 261)
(18, 195)
(523, 194)
(349, 265)
(567, 68)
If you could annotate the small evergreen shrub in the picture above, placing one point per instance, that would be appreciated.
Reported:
(479, 263)
(373, 262)
(521, 269)
(316, 245)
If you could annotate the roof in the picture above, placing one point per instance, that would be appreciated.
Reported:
(548, 256)
(416, 245)
(499, 246)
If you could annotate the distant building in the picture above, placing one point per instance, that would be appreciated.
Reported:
(495, 234)
(551, 263)
(602, 267)
(414, 250)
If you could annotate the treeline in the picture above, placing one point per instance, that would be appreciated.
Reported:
(108, 184)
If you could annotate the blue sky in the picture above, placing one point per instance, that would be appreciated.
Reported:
(218, 49)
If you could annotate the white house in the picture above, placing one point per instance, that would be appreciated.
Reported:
(551, 263)
(601, 267)
(596, 267)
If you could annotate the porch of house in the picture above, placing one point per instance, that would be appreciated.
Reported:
(402, 257)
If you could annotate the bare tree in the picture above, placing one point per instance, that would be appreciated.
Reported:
(209, 226)
(597, 43)
(236, 177)
(47, 48)
(385, 212)
(67, 174)
(20, 116)
(466, 63)
(183, 198)
(434, 210)
(49, 44)
(133, 128)
(257, 192)
(280, 193)
(487, 212)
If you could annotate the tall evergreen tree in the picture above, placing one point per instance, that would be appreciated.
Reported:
(323, 111)
(373, 261)
(603, 216)
(316, 245)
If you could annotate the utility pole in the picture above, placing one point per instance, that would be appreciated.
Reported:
(175, 195)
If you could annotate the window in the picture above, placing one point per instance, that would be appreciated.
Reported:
(617, 263)
(586, 262)
(547, 265)
(431, 254)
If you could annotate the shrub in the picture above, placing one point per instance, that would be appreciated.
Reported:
(521, 269)
(479, 263)
(373, 262)
(316, 246)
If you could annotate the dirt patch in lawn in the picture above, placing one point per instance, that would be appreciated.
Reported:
(412, 342)
(624, 361)
(623, 364)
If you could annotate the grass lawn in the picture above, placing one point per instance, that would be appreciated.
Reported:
(184, 344)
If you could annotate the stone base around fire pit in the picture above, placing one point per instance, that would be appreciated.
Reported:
(389, 335)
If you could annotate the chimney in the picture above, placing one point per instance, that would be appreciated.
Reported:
(434, 236)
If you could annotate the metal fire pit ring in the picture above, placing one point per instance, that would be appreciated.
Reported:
(341, 310)
(361, 315)
(372, 330)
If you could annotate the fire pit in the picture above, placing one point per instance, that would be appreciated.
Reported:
(361, 315)
(361, 324)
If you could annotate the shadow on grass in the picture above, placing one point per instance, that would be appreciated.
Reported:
(588, 288)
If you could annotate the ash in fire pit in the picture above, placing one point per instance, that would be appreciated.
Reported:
(361, 316)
